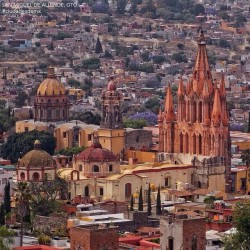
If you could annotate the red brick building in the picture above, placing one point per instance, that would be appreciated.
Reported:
(181, 232)
(94, 238)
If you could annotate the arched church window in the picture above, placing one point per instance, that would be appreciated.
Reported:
(181, 143)
(96, 169)
(194, 112)
(167, 181)
(35, 176)
(200, 144)
(86, 191)
(200, 112)
(194, 144)
(22, 176)
(187, 143)
(128, 188)
(110, 168)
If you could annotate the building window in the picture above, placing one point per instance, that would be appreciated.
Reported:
(57, 113)
(89, 137)
(168, 181)
(49, 101)
(49, 113)
(128, 189)
(4, 180)
(86, 191)
(110, 168)
(243, 184)
(64, 135)
(80, 167)
(96, 169)
(194, 243)
(26, 129)
(35, 176)
(22, 176)
(101, 191)
(171, 243)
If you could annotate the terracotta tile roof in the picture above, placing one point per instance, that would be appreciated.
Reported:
(201, 191)
(180, 193)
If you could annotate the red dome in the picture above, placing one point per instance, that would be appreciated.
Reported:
(111, 86)
(96, 153)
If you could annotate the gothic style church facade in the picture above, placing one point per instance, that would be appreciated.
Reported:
(199, 132)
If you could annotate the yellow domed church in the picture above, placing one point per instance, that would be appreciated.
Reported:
(51, 113)
(51, 103)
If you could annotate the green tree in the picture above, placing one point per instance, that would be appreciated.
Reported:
(2, 214)
(98, 46)
(20, 143)
(241, 220)
(7, 201)
(74, 83)
(245, 157)
(21, 98)
(136, 124)
(153, 104)
(6, 238)
(62, 36)
(88, 117)
(70, 151)
(248, 124)
(132, 203)
(41, 34)
(198, 9)
(159, 59)
(6, 121)
(145, 56)
(224, 43)
(149, 201)
(140, 205)
(179, 57)
(180, 46)
(121, 5)
(23, 197)
(158, 202)
(45, 195)
(91, 63)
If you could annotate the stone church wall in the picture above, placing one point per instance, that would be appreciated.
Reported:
(138, 139)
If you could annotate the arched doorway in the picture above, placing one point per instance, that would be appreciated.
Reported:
(86, 191)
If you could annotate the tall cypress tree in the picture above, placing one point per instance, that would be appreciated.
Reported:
(7, 206)
(140, 205)
(248, 126)
(98, 46)
(158, 202)
(132, 203)
(149, 200)
(2, 215)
